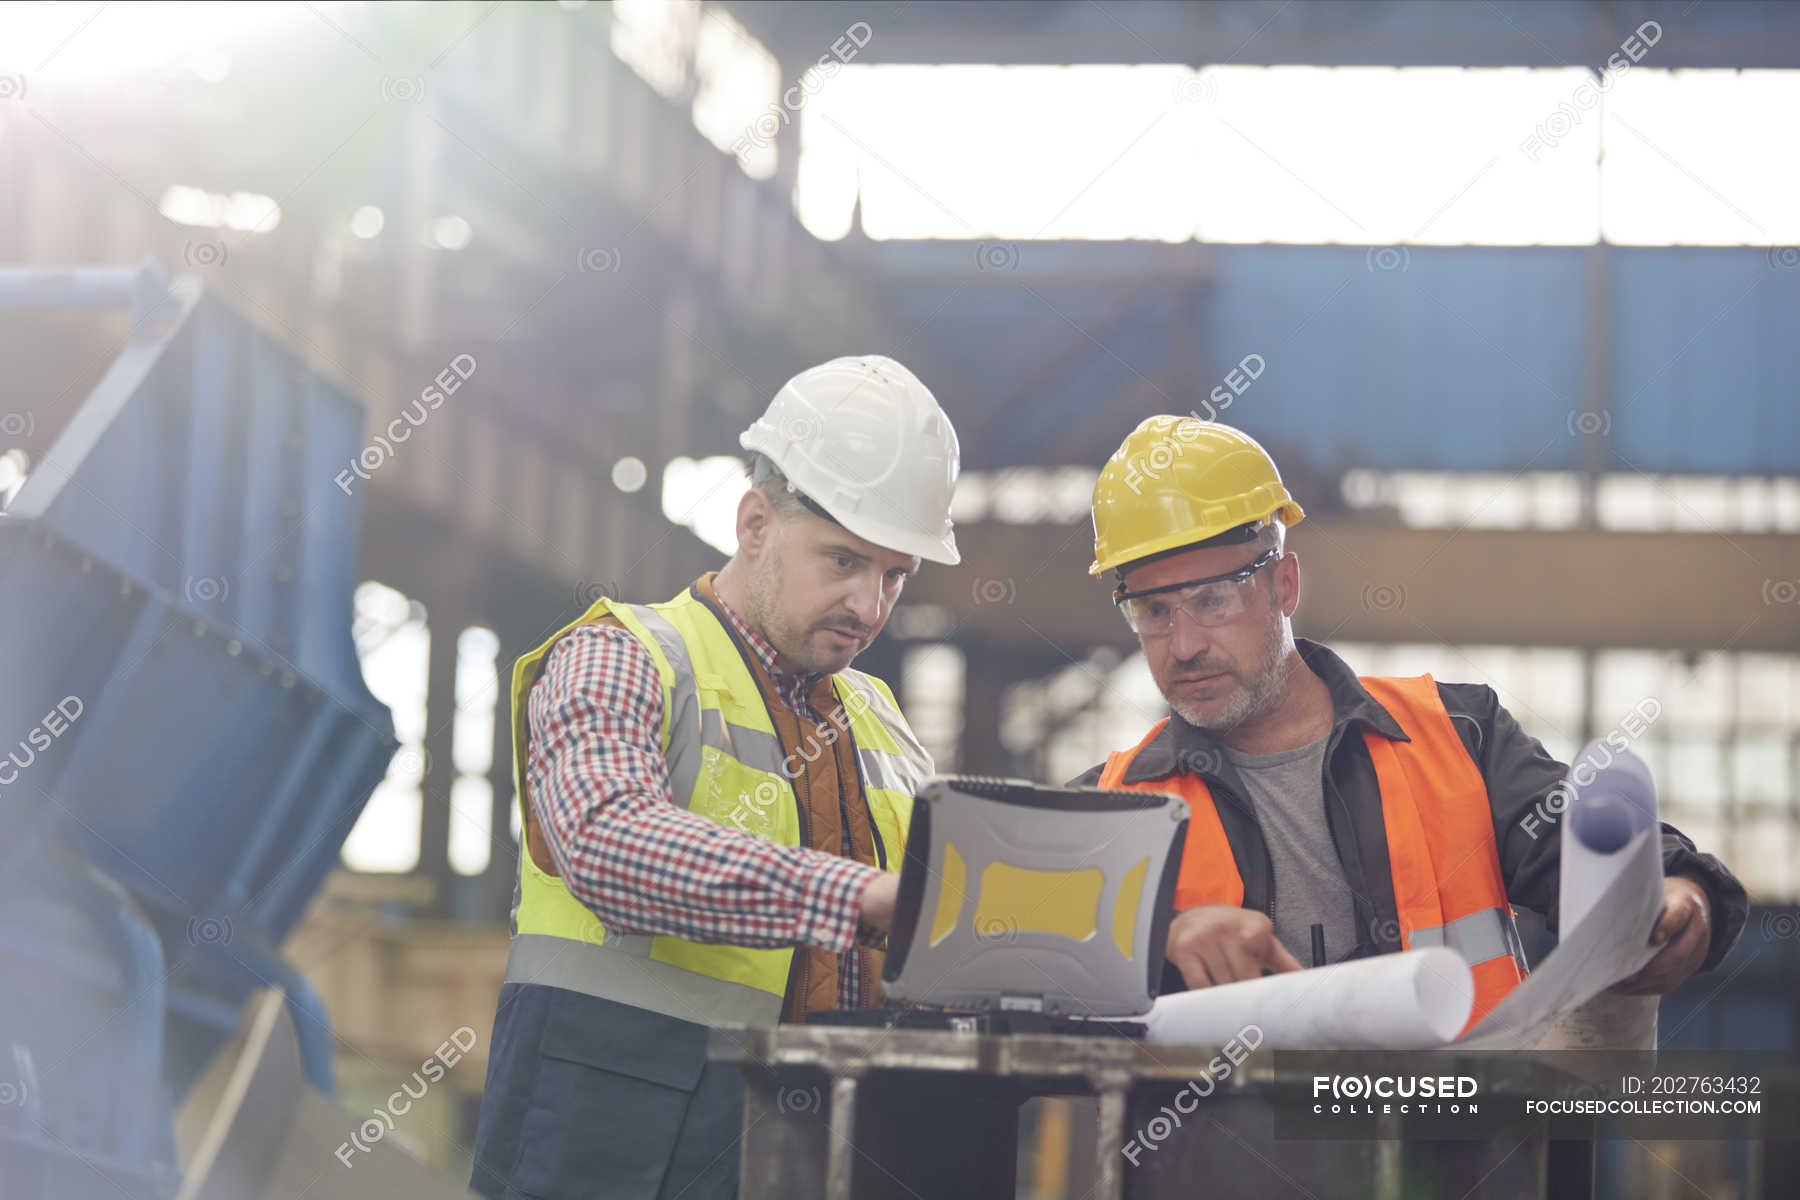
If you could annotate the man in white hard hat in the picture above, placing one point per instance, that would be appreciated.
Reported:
(715, 805)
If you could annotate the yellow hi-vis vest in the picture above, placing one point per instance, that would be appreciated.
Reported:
(726, 762)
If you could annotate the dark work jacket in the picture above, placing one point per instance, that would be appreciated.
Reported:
(1519, 774)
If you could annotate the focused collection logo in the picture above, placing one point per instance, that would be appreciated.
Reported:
(1405, 1095)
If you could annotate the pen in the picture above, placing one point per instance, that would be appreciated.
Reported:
(1318, 945)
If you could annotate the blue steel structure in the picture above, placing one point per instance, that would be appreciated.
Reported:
(194, 738)
(1429, 358)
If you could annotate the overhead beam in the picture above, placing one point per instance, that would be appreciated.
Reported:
(1415, 33)
(1027, 586)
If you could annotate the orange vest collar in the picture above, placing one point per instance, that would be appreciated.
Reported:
(1439, 826)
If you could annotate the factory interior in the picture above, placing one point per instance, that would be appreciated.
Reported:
(352, 350)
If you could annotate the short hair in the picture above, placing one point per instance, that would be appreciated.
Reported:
(767, 478)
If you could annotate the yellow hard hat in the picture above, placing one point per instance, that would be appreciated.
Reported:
(1176, 481)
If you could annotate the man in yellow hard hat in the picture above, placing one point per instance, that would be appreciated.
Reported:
(714, 805)
(1333, 816)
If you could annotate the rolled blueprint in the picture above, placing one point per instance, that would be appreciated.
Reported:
(1415, 1000)
(1615, 805)
(1611, 894)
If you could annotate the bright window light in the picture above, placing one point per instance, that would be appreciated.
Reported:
(828, 178)
(1025, 495)
(1384, 155)
(1689, 159)
(15, 465)
(655, 38)
(736, 81)
(472, 748)
(477, 696)
(394, 644)
(250, 211)
(1552, 500)
(704, 495)
(93, 42)
(1302, 154)
(1002, 151)
(471, 843)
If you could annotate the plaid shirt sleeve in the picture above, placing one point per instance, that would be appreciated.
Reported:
(599, 787)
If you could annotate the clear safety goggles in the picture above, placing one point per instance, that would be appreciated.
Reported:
(1211, 601)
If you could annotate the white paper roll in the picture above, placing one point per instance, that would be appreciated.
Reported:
(1416, 1000)
(1611, 892)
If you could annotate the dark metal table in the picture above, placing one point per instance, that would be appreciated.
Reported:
(835, 1113)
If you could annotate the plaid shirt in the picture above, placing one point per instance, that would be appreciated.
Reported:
(628, 850)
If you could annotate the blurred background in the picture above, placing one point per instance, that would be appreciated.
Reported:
(350, 349)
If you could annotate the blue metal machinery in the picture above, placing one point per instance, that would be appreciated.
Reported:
(185, 736)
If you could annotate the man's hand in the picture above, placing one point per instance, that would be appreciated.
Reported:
(877, 909)
(1684, 931)
(1215, 943)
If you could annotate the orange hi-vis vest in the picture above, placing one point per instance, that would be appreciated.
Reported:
(1440, 838)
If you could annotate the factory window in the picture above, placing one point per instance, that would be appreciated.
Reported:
(240, 211)
(931, 681)
(1655, 502)
(1444, 499)
(1048, 727)
(1025, 495)
(1716, 729)
(1122, 705)
(15, 465)
(688, 52)
(1552, 500)
(1006, 151)
(1302, 154)
(736, 83)
(472, 748)
(704, 495)
(393, 641)
(655, 38)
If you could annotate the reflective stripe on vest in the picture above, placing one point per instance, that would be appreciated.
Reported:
(622, 970)
(725, 762)
(1477, 937)
(1448, 889)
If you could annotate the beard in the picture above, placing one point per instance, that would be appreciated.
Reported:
(795, 642)
(1260, 692)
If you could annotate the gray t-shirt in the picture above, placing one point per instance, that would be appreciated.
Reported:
(1287, 791)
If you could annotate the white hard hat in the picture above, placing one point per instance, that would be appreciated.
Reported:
(867, 442)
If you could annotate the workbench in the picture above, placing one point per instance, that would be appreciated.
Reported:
(892, 1114)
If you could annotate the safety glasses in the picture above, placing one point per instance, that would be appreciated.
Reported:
(1211, 601)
